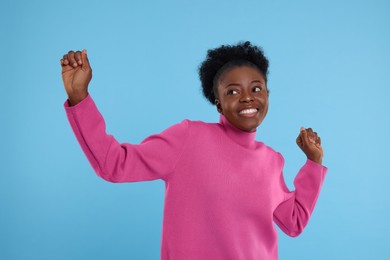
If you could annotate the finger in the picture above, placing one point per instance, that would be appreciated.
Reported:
(299, 140)
(77, 57)
(85, 61)
(65, 59)
(304, 136)
(311, 134)
(65, 65)
(319, 141)
(320, 146)
(315, 135)
(71, 59)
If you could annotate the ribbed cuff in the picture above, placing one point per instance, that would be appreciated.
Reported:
(81, 105)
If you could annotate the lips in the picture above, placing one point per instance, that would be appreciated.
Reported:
(248, 111)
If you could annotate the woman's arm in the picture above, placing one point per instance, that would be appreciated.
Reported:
(154, 158)
(293, 214)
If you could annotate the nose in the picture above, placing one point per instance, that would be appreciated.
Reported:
(246, 97)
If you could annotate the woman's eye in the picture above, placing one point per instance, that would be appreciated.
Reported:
(232, 92)
(257, 89)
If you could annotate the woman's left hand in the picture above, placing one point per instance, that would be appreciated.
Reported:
(310, 144)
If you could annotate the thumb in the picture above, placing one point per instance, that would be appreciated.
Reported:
(305, 138)
(84, 58)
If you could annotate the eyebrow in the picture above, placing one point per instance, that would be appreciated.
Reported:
(237, 84)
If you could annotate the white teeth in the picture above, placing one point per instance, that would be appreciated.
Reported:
(248, 111)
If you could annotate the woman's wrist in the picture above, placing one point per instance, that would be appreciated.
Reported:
(316, 160)
(75, 99)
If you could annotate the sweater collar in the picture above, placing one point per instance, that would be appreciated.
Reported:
(243, 138)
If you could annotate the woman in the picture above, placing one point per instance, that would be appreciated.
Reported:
(224, 189)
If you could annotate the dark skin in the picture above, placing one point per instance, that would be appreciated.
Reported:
(76, 75)
(242, 97)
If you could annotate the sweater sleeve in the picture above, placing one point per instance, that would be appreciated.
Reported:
(292, 215)
(154, 158)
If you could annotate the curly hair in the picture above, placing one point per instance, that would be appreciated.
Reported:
(225, 57)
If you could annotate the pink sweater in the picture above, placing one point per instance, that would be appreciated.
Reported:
(223, 191)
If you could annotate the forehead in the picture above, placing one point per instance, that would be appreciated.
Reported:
(241, 74)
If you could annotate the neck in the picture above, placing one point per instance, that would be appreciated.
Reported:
(243, 138)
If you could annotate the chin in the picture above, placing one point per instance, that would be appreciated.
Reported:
(249, 128)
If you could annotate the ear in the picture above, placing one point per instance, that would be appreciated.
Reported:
(219, 107)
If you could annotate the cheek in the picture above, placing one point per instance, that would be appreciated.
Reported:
(266, 111)
(227, 104)
(264, 102)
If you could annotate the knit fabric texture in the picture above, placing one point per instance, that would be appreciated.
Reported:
(223, 189)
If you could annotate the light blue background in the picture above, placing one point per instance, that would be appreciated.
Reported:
(329, 69)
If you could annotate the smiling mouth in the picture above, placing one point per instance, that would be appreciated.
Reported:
(248, 112)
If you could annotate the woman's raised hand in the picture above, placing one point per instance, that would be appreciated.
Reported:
(310, 144)
(76, 75)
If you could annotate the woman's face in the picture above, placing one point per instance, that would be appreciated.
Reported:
(242, 97)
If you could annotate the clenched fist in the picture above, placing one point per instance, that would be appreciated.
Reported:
(76, 75)
(310, 144)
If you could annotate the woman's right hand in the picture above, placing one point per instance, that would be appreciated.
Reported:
(76, 75)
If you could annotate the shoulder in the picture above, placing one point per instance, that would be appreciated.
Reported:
(270, 152)
(193, 126)
(198, 125)
(200, 131)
